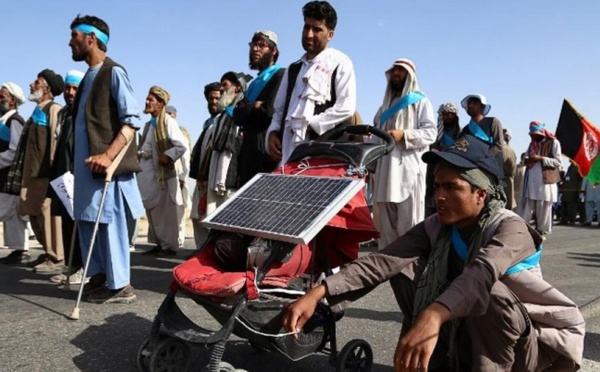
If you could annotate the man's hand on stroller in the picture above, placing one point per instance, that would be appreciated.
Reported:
(298, 313)
(274, 146)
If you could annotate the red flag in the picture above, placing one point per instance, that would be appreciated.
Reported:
(580, 141)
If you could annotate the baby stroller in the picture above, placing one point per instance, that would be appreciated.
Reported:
(247, 293)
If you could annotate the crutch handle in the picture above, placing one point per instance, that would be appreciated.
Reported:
(115, 163)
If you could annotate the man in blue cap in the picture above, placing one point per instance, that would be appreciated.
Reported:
(467, 280)
(63, 163)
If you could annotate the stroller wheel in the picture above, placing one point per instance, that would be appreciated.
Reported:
(143, 356)
(355, 356)
(170, 354)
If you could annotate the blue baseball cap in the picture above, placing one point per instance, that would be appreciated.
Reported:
(469, 152)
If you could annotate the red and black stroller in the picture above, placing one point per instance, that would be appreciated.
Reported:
(254, 264)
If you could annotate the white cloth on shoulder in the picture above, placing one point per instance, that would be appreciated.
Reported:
(218, 171)
(317, 91)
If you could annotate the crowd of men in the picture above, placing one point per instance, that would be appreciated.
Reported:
(462, 182)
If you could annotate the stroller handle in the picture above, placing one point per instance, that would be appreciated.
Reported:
(363, 130)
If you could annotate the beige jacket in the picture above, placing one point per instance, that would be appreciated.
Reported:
(508, 241)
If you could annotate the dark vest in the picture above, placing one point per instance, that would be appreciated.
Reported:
(38, 140)
(63, 155)
(4, 145)
(102, 118)
(550, 175)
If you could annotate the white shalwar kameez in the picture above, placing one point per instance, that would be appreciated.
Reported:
(399, 190)
(162, 198)
(537, 194)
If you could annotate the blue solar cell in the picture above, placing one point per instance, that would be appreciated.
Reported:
(284, 207)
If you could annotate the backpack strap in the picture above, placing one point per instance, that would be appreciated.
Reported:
(293, 72)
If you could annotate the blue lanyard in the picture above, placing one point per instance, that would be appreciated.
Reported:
(461, 249)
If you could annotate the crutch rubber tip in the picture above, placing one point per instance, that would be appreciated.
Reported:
(75, 314)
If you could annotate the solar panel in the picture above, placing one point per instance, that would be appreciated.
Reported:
(284, 207)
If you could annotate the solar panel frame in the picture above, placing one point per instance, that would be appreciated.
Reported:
(289, 208)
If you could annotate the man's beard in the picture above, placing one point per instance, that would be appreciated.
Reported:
(36, 96)
(262, 63)
(226, 99)
(397, 85)
(4, 108)
(78, 57)
(213, 110)
(451, 122)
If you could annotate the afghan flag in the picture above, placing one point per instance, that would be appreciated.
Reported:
(580, 141)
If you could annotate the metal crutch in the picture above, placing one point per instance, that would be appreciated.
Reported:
(109, 173)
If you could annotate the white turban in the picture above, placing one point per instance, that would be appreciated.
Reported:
(15, 91)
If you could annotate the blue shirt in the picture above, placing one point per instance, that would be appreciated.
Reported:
(88, 190)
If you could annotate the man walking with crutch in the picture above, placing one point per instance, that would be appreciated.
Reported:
(104, 114)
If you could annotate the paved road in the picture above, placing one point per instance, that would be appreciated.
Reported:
(37, 336)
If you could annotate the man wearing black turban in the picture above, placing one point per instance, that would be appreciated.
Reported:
(40, 143)
(53, 80)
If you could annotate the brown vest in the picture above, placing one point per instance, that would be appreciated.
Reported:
(102, 118)
(38, 140)
(550, 175)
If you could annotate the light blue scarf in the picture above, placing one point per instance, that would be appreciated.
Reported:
(476, 130)
(259, 83)
(404, 101)
(39, 117)
(4, 132)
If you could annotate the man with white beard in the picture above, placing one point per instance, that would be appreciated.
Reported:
(200, 159)
(11, 127)
(223, 179)
(39, 152)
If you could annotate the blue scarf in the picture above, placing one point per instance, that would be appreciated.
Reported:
(404, 101)
(259, 83)
(39, 117)
(4, 132)
(229, 110)
(447, 140)
(208, 123)
(476, 130)
(461, 249)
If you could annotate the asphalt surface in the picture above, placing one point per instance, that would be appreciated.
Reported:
(37, 335)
